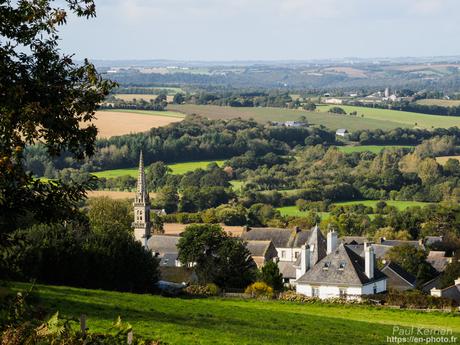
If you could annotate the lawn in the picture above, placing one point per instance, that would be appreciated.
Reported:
(403, 118)
(293, 211)
(370, 148)
(236, 321)
(177, 169)
(280, 114)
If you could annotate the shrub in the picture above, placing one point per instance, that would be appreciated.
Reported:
(414, 299)
(203, 290)
(259, 289)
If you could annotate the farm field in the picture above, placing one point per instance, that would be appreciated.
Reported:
(236, 321)
(440, 102)
(178, 228)
(293, 211)
(402, 118)
(370, 148)
(279, 114)
(177, 168)
(443, 160)
(119, 122)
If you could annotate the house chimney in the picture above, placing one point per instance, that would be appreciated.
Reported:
(331, 241)
(304, 259)
(369, 260)
(297, 229)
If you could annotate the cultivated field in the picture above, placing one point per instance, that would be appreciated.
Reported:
(177, 228)
(177, 169)
(370, 148)
(443, 160)
(237, 321)
(402, 118)
(119, 122)
(263, 115)
(440, 102)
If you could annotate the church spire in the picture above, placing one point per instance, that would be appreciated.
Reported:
(141, 224)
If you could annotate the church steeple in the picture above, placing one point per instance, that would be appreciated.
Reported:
(141, 224)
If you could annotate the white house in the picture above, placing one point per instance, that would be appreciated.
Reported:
(341, 273)
(342, 132)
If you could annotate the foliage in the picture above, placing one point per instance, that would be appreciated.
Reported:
(216, 257)
(414, 299)
(202, 290)
(450, 274)
(45, 98)
(73, 255)
(270, 274)
(259, 290)
(106, 214)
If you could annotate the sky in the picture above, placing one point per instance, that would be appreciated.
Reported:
(227, 30)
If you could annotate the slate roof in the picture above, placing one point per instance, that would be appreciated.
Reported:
(318, 245)
(429, 240)
(286, 269)
(353, 239)
(163, 244)
(344, 267)
(281, 238)
(168, 260)
(438, 260)
(408, 277)
(394, 243)
(258, 248)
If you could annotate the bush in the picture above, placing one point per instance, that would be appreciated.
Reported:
(259, 289)
(414, 299)
(203, 290)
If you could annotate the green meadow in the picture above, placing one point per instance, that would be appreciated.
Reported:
(177, 169)
(403, 118)
(237, 321)
(400, 205)
(370, 148)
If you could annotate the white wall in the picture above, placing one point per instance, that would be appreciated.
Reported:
(330, 291)
(380, 285)
(289, 253)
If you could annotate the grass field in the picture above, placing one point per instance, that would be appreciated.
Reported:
(236, 321)
(279, 114)
(119, 122)
(440, 102)
(402, 118)
(370, 148)
(177, 169)
(443, 160)
(400, 205)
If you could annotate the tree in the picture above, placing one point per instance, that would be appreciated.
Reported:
(271, 275)
(106, 214)
(45, 98)
(413, 260)
(156, 175)
(337, 110)
(451, 273)
(167, 199)
(178, 98)
(216, 257)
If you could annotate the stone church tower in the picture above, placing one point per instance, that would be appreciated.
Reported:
(141, 224)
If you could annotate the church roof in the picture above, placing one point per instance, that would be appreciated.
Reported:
(281, 238)
(341, 267)
(163, 244)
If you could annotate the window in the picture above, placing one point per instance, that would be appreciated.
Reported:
(315, 291)
(343, 292)
(375, 289)
(296, 255)
(283, 254)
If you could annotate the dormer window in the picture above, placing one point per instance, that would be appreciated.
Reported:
(342, 266)
(326, 266)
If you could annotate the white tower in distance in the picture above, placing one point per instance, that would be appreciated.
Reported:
(141, 224)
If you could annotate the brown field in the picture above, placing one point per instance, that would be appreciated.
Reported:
(112, 123)
(440, 102)
(443, 160)
(349, 71)
(114, 194)
(177, 228)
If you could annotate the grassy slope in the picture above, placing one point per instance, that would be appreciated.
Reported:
(278, 114)
(166, 113)
(177, 168)
(234, 321)
(403, 118)
(371, 148)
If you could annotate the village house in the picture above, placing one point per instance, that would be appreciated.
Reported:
(342, 132)
(398, 278)
(262, 252)
(452, 292)
(341, 273)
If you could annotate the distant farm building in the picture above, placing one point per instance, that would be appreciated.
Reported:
(342, 132)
